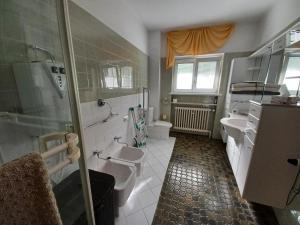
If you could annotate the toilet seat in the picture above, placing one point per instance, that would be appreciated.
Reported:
(160, 123)
(157, 129)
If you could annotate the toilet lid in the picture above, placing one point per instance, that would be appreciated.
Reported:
(162, 124)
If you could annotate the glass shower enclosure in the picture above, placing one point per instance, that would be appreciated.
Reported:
(37, 93)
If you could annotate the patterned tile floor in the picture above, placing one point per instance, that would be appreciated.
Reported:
(200, 189)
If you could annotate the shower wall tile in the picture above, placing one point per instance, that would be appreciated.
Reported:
(2, 55)
(22, 24)
(13, 27)
(15, 51)
(96, 48)
(7, 80)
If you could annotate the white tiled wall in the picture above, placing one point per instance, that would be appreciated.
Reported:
(100, 136)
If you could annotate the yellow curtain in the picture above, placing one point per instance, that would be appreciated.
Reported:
(198, 41)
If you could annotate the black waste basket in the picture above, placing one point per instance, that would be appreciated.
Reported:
(70, 201)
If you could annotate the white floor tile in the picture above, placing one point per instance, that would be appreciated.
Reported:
(147, 198)
(153, 161)
(154, 181)
(148, 172)
(161, 176)
(149, 212)
(137, 219)
(141, 185)
(120, 221)
(158, 168)
(156, 190)
(158, 154)
(131, 206)
(146, 164)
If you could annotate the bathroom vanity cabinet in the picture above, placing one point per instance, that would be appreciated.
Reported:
(260, 163)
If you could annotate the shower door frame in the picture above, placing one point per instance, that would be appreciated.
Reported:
(69, 59)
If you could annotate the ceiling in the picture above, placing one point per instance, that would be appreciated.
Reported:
(170, 14)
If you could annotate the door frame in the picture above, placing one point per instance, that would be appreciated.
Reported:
(69, 59)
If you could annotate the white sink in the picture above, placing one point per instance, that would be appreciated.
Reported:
(124, 174)
(235, 127)
(130, 155)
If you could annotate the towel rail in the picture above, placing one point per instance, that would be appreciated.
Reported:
(73, 152)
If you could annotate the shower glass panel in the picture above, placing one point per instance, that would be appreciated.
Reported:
(34, 96)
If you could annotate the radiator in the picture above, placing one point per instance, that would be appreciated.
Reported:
(192, 119)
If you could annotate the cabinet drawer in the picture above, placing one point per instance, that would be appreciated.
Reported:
(252, 122)
(255, 110)
(250, 133)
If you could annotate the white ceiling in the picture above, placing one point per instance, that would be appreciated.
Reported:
(170, 14)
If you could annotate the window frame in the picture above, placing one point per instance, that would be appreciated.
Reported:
(195, 60)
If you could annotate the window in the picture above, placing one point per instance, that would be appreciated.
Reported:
(292, 74)
(206, 75)
(126, 77)
(197, 75)
(110, 77)
(184, 76)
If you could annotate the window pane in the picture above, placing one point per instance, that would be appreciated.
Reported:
(184, 76)
(293, 67)
(206, 75)
(126, 76)
(111, 77)
(292, 85)
(293, 70)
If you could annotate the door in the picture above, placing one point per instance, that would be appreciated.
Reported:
(35, 96)
(244, 163)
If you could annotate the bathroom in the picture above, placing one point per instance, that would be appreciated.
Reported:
(149, 140)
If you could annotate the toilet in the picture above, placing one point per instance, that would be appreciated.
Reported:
(157, 129)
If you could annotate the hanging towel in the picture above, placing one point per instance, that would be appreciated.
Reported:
(26, 196)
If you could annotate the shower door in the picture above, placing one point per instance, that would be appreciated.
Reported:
(36, 90)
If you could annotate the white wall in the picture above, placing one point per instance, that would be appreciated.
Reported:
(277, 18)
(100, 136)
(120, 18)
(154, 47)
(244, 38)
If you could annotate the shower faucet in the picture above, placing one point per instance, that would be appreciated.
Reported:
(117, 139)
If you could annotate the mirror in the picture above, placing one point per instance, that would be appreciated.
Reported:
(280, 60)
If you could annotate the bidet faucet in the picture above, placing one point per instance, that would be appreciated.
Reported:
(117, 139)
(98, 153)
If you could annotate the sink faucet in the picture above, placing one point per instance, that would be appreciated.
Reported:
(98, 153)
(117, 139)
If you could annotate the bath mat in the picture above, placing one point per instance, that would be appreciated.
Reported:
(26, 195)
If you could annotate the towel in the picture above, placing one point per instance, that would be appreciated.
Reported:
(26, 196)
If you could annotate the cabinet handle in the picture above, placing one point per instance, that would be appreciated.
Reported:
(294, 162)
